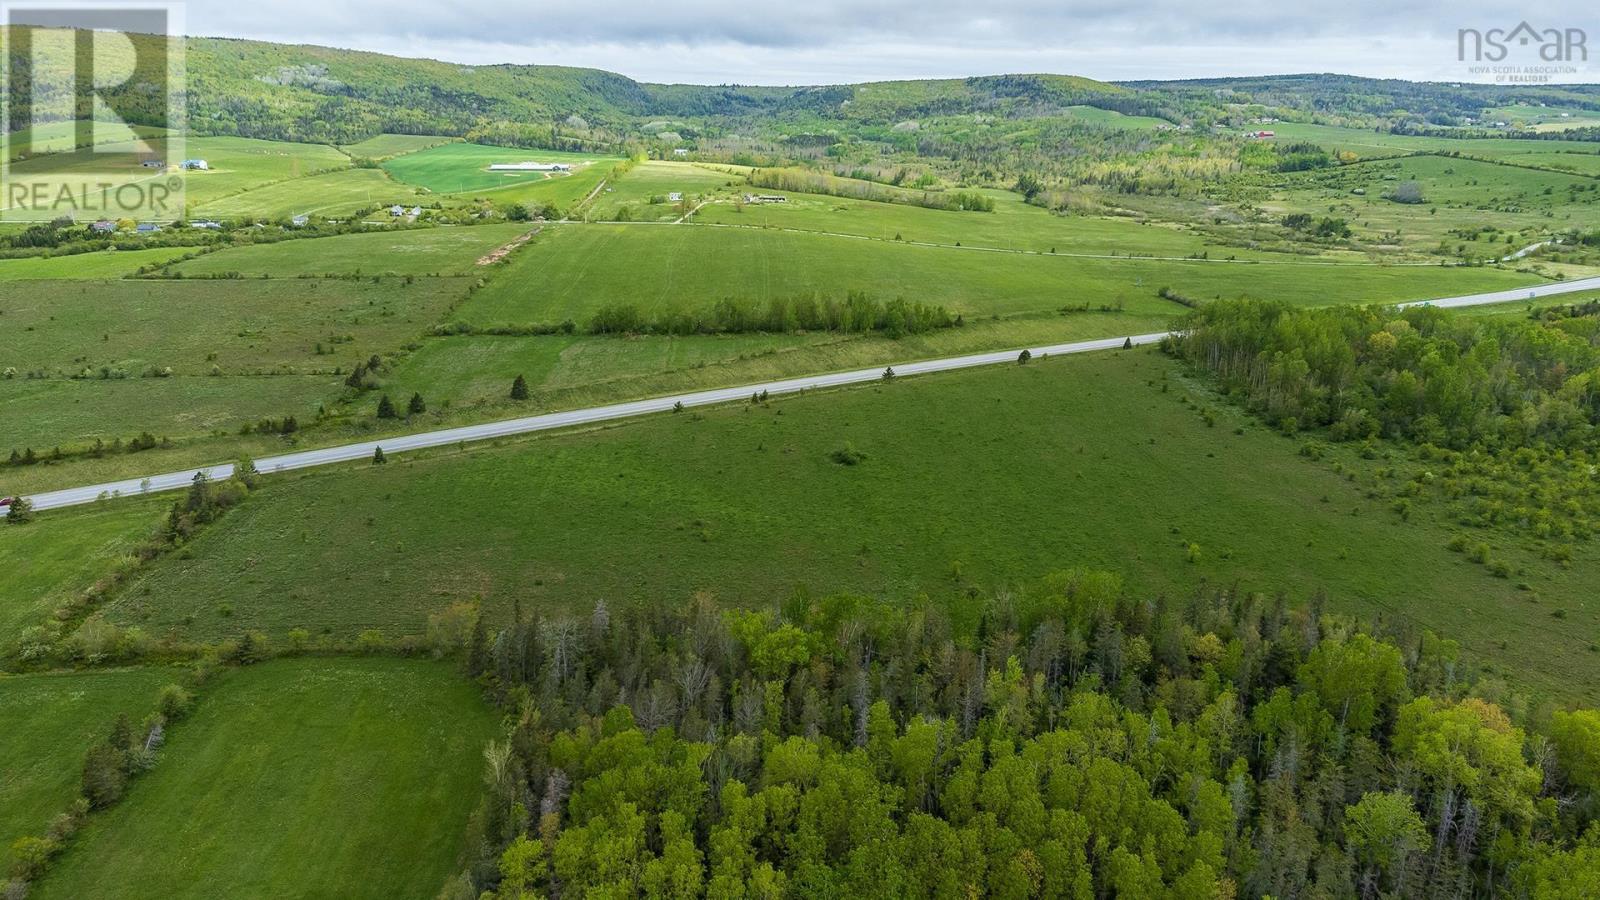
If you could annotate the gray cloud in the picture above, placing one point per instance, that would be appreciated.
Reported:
(835, 40)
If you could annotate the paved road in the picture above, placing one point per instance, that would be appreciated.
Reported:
(1528, 293)
(490, 430)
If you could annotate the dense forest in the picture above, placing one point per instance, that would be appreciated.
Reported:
(1067, 740)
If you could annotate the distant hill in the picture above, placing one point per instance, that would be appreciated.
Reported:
(322, 94)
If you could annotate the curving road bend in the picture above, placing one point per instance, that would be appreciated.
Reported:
(490, 430)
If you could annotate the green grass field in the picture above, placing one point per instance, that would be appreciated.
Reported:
(420, 251)
(55, 559)
(102, 264)
(49, 723)
(68, 412)
(1571, 156)
(1459, 195)
(1005, 473)
(388, 146)
(334, 194)
(241, 164)
(1013, 225)
(249, 326)
(298, 778)
(458, 168)
(659, 180)
(1113, 119)
(570, 271)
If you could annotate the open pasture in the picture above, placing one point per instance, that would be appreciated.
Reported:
(97, 265)
(456, 168)
(333, 194)
(49, 723)
(406, 251)
(388, 146)
(339, 778)
(193, 327)
(1011, 471)
(569, 272)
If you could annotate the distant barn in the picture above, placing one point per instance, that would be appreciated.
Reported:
(530, 167)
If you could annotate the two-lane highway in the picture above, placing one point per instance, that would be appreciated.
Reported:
(491, 430)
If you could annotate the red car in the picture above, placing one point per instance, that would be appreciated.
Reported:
(6, 501)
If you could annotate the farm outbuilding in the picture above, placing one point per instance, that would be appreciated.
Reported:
(530, 167)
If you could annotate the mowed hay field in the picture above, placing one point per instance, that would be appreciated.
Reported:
(347, 778)
(654, 180)
(238, 164)
(570, 271)
(336, 193)
(978, 478)
(248, 326)
(457, 167)
(47, 724)
(414, 251)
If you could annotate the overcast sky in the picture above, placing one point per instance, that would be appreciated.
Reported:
(830, 41)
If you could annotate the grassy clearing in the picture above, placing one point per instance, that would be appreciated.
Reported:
(240, 164)
(53, 559)
(1574, 156)
(573, 371)
(332, 778)
(466, 380)
(1013, 225)
(1113, 119)
(251, 326)
(421, 251)
(571, 271)
(633, 193)
(336, 193)
(58, 137)
(1459, 195)
(977, 477)
(50, 721)
(103, 264)
(66, 412)
(457, 167)
(388, 146)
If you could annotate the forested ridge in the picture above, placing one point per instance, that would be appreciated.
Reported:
(1067, 740)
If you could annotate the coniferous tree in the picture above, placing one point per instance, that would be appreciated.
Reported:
(386, 408)
(519, 388)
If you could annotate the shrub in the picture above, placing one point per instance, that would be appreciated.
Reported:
(174, 702)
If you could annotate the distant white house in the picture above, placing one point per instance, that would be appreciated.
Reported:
(198, 164)
(299, 221)
(415, 211)
(397, 210)
(765, 198)
(146, 227)
(680, 151)
(104, 226)
(675, 196)
(154, 164)
(206, 224)
(530, 167)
